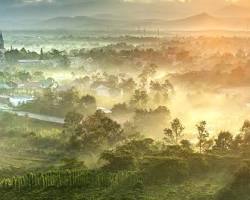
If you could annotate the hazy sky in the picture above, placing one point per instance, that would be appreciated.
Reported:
(35, 9)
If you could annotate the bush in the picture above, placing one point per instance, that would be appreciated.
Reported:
(197, 164)
(117, 162)
(239, 188)
(165, 169)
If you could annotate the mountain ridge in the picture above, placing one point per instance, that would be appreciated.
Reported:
(200, 21)
(233, 11)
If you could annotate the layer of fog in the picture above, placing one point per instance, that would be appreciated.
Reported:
(223, 110)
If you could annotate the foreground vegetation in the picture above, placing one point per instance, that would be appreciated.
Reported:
(134, 168)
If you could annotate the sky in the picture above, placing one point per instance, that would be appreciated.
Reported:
(16, 10)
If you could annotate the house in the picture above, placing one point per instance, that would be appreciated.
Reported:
(29, 62)
(19, 100)
(30, 85)
(39, 63)
(105, 91)
(104, 110)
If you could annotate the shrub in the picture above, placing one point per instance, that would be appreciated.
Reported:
(165, 169)
(116, 162)
(239, 188)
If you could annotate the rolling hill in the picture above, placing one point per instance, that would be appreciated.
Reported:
(233, 11)
(202, 21)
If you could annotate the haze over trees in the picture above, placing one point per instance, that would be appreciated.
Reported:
(140, 116)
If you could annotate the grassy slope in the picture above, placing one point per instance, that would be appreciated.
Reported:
(16, 149)
(190, 190)
(15, 154)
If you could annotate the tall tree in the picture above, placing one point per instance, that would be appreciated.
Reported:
(202, 135)
(71, 122)
(245, 130)
(41, 54)
(224, 141)
(175, 133)
(147, 73)
(97, 131)
(139, 99)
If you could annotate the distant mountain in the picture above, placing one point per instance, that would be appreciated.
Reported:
(233, 11)
(205, 21)
(105, 16)
(202, 21)
(80, 22)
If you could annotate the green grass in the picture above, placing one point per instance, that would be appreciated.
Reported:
(204, 188)
(187, 191)
(199, 189)
(27, 144)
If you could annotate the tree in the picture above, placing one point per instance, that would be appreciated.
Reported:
(139, 99)
(237, 142)
(242, 141)
(127, 85)
(245, 130)
(88, 100)
(186, 144)
(245, 127)
(23, 76)
(38, 76)
(60, 56)
(148, 120)
(168, 88)
(125, 156)
(131, 131)
(65, 61)
(157, 88)
(49, 98)
(224, 141)
(202, 135)
(41, 54)
(147, 73)
(137, 147)
(120, 108)
(96, 131)
(54, 53)
(174, 133)
(88, 104)
(161, 90)
(118, 161)
(69, 98)
(72, 121)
